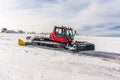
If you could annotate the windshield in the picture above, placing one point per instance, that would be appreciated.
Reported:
(69, 32)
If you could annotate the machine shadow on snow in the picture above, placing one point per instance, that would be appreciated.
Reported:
(101, 54)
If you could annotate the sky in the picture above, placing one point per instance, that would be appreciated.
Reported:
(88, 17)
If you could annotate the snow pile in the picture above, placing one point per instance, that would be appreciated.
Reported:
(33, 63)
(11, 31)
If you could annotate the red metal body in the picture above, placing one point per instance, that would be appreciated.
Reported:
(55, 38)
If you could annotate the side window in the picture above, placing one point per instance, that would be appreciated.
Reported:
(58, 31)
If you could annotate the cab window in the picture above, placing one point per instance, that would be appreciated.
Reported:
(58, 31)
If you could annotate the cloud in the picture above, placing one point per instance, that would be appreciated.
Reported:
(99, 17)
(90, 17)
(40, 15)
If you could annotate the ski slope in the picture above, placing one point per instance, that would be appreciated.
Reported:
(106, 44)
(33, 63)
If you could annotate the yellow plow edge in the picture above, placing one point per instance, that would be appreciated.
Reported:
(21, 42)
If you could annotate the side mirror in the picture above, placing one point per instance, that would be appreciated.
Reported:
(74, 32)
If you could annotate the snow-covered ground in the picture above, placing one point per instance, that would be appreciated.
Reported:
(107, 44)
(33, 63)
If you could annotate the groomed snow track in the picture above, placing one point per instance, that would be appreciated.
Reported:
(101, 54)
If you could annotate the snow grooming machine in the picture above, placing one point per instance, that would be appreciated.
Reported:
(61, 38)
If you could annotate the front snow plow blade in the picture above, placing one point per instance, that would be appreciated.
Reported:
(21, 42)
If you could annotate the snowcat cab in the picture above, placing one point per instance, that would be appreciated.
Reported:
(62, 34)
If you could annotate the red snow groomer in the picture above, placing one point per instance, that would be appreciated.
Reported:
(62, 38)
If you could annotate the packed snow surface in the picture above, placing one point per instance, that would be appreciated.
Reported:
(33, 63)
(107, 44)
